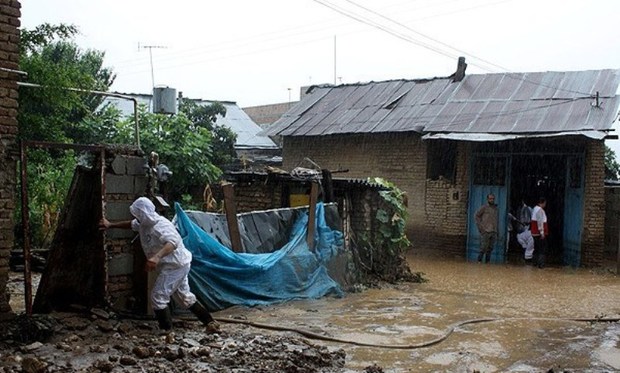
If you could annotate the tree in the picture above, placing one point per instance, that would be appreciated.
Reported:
(223, 144)
(54, 113)
(612, 167)
(52, 60)
(181, 145)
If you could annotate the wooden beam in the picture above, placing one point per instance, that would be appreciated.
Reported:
(314, 193)
(231, 217)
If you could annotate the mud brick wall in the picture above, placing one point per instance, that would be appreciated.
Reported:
(593, 240)
(401, 159)
(257, 196)
(9, 59)
(125, 181)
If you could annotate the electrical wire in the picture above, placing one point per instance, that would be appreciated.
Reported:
(358, 18)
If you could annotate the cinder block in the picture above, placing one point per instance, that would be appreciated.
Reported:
(120, 265)
(119, 165)
(119, 184)
(139, 185)
(136, 166)
(118, 210)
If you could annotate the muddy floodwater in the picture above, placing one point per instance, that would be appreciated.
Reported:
(533, 326)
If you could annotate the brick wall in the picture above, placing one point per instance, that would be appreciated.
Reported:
(401, 159)
(9, 59)
(593, 240)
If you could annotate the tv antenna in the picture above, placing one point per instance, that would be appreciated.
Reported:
(150, 48)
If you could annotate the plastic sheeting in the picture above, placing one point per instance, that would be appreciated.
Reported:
(221, 278)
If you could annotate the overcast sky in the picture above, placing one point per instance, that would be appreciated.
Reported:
(262, 52)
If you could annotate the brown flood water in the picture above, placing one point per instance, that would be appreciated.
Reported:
(532, 334)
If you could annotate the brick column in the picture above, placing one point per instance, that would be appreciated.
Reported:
(593, 240)
(9, 59)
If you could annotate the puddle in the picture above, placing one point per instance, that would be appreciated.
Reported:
(533, 332)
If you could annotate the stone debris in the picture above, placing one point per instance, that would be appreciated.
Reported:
(83, 343)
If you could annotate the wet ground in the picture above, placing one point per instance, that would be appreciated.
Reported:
(523, 319)
(533, 329)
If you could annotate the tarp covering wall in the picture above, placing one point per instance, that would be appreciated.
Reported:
(221, 278)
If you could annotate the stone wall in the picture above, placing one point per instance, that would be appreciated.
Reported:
(9, 59)
(593, 240)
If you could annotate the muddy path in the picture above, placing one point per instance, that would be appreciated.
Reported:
(532, 329)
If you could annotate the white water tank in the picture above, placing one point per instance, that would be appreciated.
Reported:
(164, 100)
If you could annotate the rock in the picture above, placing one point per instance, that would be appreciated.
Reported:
(124, 328)
(100, 313)
(76, 323)
(188, 342)
(104, 326)
(141, 352)
(33, 365)
(128, 360)
(32, 347)
(104, 366)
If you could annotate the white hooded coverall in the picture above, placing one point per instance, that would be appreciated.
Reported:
(155, 231)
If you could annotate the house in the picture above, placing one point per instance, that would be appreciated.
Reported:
(450, 141)
(250, 144)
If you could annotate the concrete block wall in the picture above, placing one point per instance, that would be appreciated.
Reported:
(125, 181)
(593, 239)
(9, 59)
(257, 196)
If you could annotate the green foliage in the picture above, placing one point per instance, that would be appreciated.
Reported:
(391, 232)
(223, 144)
(54, 113)
(48, 182)
(52, 60)
(612, 167)
(182, 146)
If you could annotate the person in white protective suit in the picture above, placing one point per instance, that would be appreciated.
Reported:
(526, 241)
(165, 251)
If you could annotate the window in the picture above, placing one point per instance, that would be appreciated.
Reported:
(441, 162)
(489, 171)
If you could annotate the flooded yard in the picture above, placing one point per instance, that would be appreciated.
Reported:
(532, 321)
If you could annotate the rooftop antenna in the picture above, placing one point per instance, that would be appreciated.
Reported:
(150, 48)
(335, 60)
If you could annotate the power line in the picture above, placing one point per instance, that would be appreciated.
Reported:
(374, 24)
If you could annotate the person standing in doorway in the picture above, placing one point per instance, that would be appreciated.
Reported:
(540, 232)
(487, 222)
(165, 252)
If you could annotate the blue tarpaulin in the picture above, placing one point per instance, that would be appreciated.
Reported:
(221, 278)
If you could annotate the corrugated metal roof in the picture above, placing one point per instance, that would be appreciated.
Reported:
(540, 102)
(248, 132)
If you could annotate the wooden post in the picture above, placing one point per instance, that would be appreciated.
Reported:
(314, 193)
(618, 261)
(328, 186)
(231, 217)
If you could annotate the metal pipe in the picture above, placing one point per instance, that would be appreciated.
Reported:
(13, 71)
(26, 229)
(101, 93)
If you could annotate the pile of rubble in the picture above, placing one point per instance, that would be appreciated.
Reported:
(102, 342)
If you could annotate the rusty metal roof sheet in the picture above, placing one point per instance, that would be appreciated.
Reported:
(539, 102)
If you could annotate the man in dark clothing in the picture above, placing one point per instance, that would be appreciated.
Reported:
(487, 221)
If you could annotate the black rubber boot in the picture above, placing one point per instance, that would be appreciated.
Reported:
(164, 318)
(205, 317)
